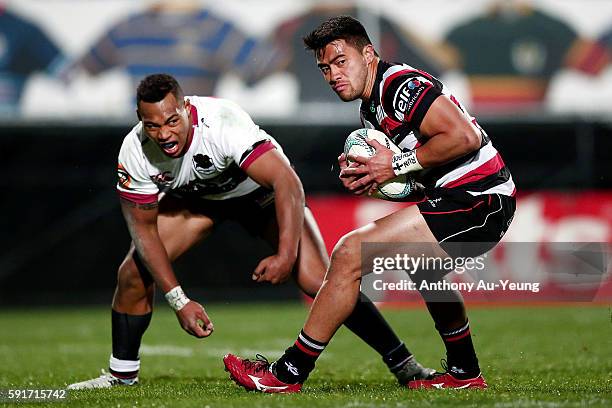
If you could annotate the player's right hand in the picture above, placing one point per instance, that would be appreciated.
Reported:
(348, 181)
(194, 320)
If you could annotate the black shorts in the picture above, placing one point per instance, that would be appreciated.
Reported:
(467, 225)
(254, 211)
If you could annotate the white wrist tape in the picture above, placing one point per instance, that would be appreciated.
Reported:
(176, 298)
(404, 163)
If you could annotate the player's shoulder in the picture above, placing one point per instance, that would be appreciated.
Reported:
(402, 89)
(394, 76)
(219, 113)
(223, 108)
(134, 138)
(133, 143)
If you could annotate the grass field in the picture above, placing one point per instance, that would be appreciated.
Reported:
(531, 357)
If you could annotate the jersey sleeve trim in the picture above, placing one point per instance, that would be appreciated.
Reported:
(138, 198)
(254, 152)
(422, 106)
(407, 95)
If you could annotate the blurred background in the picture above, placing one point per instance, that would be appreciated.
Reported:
(537, 74)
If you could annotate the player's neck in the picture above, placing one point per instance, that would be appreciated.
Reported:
(372, 69)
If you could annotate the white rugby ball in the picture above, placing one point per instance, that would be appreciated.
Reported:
(395, 189)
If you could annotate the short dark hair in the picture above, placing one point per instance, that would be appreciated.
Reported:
(337, 28)
(155, 87)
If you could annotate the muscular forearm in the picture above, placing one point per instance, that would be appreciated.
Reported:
(439, 150)
(450, 134)
(444, 148)
(289, 202)
(154, 256)
(142, 224)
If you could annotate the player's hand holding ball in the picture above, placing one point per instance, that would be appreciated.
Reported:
(366, 166)
(348, 180)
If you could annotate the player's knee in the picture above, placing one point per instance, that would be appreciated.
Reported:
(128, 277)
(346, 256)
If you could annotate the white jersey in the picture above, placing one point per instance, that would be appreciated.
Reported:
(224, 143)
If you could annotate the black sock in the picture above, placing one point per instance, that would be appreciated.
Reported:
(127, 332)
(461, 357)
(396, 358)
(299, 360)
(367, 323)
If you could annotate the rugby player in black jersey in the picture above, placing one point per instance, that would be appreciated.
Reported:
(468, 198)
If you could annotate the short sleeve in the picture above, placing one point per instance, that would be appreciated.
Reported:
(241, 140)
(407, 95)
(133, 183)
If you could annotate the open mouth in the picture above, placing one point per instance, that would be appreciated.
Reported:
(169, 148)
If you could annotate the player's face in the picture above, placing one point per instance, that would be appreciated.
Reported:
(345, 69)
(167, 123)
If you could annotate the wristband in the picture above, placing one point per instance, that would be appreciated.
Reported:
(176, 298)
(403, 163)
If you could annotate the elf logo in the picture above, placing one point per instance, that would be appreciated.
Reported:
(406, 97)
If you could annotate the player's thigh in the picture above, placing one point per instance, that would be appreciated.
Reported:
(402, 233)
(313, 260)
(403, 226)
(180, 229)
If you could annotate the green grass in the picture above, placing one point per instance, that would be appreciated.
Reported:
(531, 357)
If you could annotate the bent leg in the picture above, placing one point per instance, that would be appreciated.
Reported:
(179, 230)
(340, 290)
(365, 320)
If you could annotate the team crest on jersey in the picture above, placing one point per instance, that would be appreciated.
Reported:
(203, 164)
(406, 97)
(165, 178)
(123, 176)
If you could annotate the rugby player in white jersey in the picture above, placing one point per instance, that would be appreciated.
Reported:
(467, 207)
(190, 163)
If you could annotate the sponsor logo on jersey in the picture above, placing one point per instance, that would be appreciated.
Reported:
(434, 201)
(164, 178)
(203, 164)
(380, 114)
(406, 96)
(413, 84)
(124, 178)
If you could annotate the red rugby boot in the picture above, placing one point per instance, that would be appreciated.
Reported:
(446, 380)
(256, 375)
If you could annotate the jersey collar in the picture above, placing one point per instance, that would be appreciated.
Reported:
(194, 124)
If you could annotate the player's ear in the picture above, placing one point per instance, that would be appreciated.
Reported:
(369, 53)
(186, 106)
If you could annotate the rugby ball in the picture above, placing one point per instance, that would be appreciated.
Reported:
(395, 189)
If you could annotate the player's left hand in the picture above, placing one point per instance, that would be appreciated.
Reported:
(373, 170)
(274, 269)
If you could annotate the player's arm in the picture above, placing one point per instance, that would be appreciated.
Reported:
(272, 171)
(141, 220)
(450, 134)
